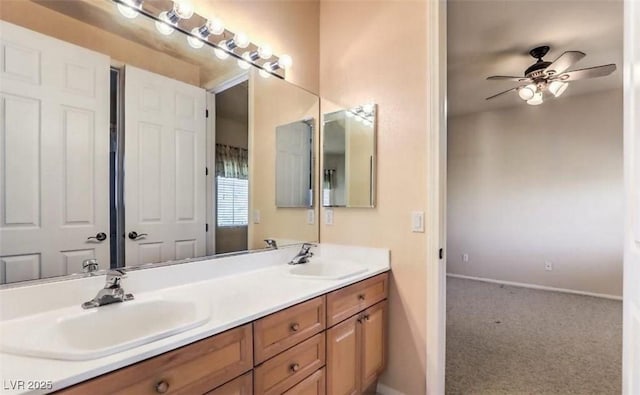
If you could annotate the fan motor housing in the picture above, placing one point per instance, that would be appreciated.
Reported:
(536, 70)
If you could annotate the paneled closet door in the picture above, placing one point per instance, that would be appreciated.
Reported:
(164, 168)
(54, 155)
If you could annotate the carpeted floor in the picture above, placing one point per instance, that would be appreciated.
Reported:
(511, 340)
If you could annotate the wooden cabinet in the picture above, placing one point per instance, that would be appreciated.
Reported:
(373, 343)
(279, 331)
(356, 346)
(343, 358)
(347, 301)
(312, 385)
(243, 385)
(289, 352)
(196, 368)
(287, 369)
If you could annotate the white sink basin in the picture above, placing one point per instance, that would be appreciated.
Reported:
(77, 334)
(326, 269)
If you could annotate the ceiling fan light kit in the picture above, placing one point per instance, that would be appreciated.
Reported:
(543, 76)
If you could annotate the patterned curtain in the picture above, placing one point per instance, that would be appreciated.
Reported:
(232, 162)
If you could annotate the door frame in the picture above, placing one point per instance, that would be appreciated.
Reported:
(436, 197)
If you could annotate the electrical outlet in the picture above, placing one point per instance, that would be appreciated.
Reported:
(256, 216)
(465, 258)
(548, 266)
(311, 217)
(328, 216)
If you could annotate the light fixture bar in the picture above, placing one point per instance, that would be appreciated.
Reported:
(237, 40)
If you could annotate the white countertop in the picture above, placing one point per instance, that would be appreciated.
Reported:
(239, 288)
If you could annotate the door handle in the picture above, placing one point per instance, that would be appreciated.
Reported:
(133, 235)
(100, 237)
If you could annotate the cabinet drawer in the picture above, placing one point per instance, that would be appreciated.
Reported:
(282, 330)
(312, 385)
(287, 369)
(243, 385)
(196, 368)
(350, 300)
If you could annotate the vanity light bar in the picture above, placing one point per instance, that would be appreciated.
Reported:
(211, 32)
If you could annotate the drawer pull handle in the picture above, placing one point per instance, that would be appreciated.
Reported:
(294, 367)
(361, 297)
(295, 327)
(162, 387)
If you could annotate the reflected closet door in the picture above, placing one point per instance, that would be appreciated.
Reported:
(164, 169)
(54, 155)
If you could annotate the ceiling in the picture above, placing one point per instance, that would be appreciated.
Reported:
(494, 37)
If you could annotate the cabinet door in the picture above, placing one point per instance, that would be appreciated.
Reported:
(343, 358)
(243, 385)
(312, 385)
(374, 325)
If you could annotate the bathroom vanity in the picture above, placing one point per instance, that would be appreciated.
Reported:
(269, 332)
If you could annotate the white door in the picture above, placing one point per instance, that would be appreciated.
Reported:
(164, 168)
(54, 155)
(631, 301)
(293, 165)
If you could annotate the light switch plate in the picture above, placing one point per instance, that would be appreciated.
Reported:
(417, 221)
(328, 216)
(311, 217)
(256, 216)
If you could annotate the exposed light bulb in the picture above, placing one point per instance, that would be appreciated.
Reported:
(265, 52)
(220, 53)
(557, 88)
(129, 8)
(215, 26)
(241, 40)
(196, 41)
(183, 9)
(536, 100)
(528, 92)
(164, 24)
(285, 61)
(264, 73)
(243, 64)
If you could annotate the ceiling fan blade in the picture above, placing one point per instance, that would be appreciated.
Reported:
(502, 93)
(507, 78)
(591, 72)
(564, 61)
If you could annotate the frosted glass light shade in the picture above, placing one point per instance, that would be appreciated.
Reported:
(558, 88)
(536, 100)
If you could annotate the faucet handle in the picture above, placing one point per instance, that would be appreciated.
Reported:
(271, 243)
(307, 246)
(114, 277)
(90, 265)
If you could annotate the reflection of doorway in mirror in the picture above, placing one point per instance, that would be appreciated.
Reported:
(231, 169)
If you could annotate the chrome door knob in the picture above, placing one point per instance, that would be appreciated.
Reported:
(133, 235)
(99, 236)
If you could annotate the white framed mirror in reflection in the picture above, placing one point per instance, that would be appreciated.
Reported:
(349, 157)
(134, 148)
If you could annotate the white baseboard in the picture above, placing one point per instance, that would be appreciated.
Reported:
(536, 286)
(384, 390)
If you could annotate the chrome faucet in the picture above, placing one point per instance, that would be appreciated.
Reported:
(304, 254)
(111, 293)
(271, 243)
(90, 266)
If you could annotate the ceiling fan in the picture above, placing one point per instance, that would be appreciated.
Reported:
(550, 76)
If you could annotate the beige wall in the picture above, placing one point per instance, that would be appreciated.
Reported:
(375, 52)
(533, 184)
(43, 20)
(289, 26)
(273, 102)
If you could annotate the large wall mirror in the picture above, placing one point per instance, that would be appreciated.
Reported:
(349, 157)
(127, 145)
